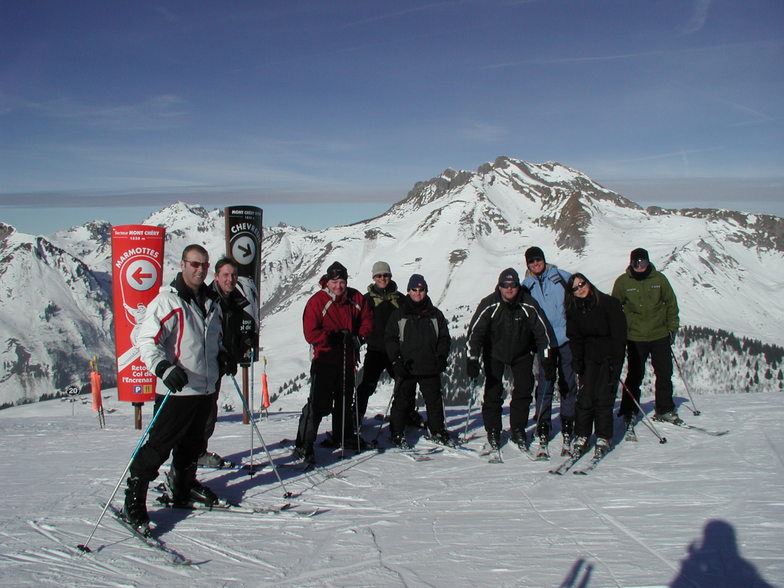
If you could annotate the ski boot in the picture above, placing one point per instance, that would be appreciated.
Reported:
(518, 437)
(602, 447)
(211, 460)
(399, 440)
(330, 442)
(542, 451)
(442, 437)
(185, 488)
(579, 446)
(135, 506)
(567, 430)
(670, 417)
(630, 434)
(357, 443)
(415, 420)
(304, 455)
(494, 439)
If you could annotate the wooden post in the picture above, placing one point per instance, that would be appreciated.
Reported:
(245, 415)
(137, 415)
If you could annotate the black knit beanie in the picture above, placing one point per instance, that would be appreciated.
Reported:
(533, 253)
(509, 275)
(337, 272)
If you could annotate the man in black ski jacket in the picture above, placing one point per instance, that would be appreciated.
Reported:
(508, 328)
(237, 340)
(417, 342)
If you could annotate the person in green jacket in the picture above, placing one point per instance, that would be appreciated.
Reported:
(651, 310)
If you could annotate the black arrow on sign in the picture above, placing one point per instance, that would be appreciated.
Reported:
(245, 250)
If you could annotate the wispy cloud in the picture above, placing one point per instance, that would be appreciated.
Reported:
(573, 59)
(152, 113)
(205, 195)
(699, 16)
(398, 13)
(480, 131)
(723, 48)
(681, 154)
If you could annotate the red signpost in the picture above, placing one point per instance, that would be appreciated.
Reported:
(137, 272)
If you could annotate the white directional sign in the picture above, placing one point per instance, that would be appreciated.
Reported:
(243, 249)
(141, 274)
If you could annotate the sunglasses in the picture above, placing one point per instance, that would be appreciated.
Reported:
(417, 290)
(578, 286)
(383, 276)
(509, 285)
(197, 264)
(639, 262)
(534, 260)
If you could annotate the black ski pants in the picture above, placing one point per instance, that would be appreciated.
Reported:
(331, 390)
(595, 400)
(179, 430)
(405, 394)
(661, 358)
(522, 393)
(376, 362)
(567, 386)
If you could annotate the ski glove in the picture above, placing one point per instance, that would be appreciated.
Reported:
(173, 376)
(339, 338)
(227, 364)
(549, 367)
(441, 364)
(472, 368)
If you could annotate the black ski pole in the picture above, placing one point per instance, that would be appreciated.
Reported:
(386, 414)
(472, 386)
(83, 546)
(251, 407)
(540, 402)
(343, 410)
(357, 418)
(645, 418)
(286, 493)
(694, 410)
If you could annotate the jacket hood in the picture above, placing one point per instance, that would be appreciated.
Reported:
(548, 267)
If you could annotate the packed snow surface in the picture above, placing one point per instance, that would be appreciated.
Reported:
(697, 511)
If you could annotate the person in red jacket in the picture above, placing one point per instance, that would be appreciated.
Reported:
(336, 322)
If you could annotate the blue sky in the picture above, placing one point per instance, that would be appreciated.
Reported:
(328, 112)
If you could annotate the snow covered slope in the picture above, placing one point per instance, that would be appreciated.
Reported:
(696, 512)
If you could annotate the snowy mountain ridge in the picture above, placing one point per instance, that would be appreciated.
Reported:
(460, 229)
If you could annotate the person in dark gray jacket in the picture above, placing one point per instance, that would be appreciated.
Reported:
(417, 343)
(508, 329)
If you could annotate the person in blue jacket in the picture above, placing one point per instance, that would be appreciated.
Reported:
(547, 285)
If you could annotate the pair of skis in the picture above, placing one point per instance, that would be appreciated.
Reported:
(572, 460)
(685, 425)
(173, 557)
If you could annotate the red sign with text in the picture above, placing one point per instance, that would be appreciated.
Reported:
(137, 272)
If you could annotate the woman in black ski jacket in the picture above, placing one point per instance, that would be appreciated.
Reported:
(596, 328)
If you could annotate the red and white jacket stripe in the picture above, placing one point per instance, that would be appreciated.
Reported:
(175, 329)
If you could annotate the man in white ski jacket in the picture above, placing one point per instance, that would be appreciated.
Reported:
(179, 341)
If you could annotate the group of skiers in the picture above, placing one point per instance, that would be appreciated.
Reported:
(579, 335)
